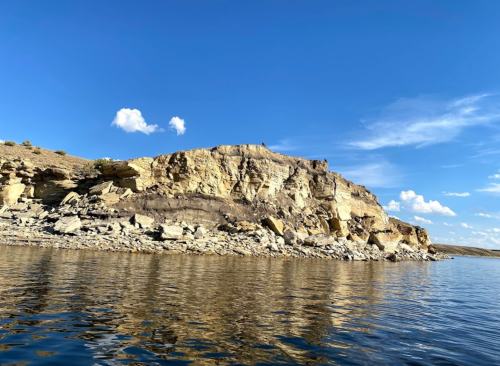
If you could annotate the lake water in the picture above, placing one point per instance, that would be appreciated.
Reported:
(89, 308)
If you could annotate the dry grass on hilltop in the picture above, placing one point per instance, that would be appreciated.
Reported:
(44, 158)
(468, 251)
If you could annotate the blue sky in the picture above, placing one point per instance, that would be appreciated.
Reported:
(400, 96)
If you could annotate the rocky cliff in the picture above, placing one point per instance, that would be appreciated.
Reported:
(245, 188)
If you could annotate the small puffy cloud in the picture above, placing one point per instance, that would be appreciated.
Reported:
(415, 203)
(465, 225)
(494, 176)
(392, 206)
(465, 194)
(479, 233)
(421, 220)
(131, 120)
(493, 188)
(2, 141)
(497, 230)
(178, 125)
(452, 233)
(395, 217)
(446, 224)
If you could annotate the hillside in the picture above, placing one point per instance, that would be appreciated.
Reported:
(46, 158)
(467, 251)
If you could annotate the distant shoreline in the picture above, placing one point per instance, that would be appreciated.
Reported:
(467, 251)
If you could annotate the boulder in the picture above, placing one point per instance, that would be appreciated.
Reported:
(275, 225)
(407, 248)
(291, 237)
(18, 207)
(432, 249)
(100, 189)
(109, 198)
(125, 193)
(70, 197)
(67, 224)
(319, 240)
(340, 226)
(200, 232)
(142, 221)
(387, 241)
(170, 232)
(10, 193)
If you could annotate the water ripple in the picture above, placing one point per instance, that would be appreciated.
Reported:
(86, 308)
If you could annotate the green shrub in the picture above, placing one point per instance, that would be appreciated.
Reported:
(37, 151)
(89, 170)
(27, 143)
(61, 152)
(9, 143)
(99, 163)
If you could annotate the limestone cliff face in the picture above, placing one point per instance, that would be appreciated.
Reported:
(226, 185)
(303, 193)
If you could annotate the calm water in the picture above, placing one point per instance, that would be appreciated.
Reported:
(87, 308)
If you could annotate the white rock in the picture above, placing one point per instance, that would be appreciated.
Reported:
(67, 224)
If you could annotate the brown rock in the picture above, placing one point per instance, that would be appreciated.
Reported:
(70, 197)
(100, 189)
(275, 225)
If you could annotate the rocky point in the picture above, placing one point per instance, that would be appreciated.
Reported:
(240, 200)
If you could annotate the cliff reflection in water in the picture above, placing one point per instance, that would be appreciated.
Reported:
(119, 308)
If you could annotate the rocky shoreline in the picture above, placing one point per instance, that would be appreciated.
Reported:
(229, 200)
(35, 225)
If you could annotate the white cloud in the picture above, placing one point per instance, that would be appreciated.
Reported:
(415, 203)
(483, 215)
(2, 141)
(377, 174)
(426, 121)
(446, 224)
(283, 145)
(493, 188)
(497, 230)
(465, 194)
(479, 233)
(494, 176)
(464, 225)
(496, 241)
(394, 217)
(131, 120)
(392, 206)
(178, 125)
(452, 233)
(421, 220)
(451, 166)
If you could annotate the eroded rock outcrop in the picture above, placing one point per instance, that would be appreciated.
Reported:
(241, 190)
